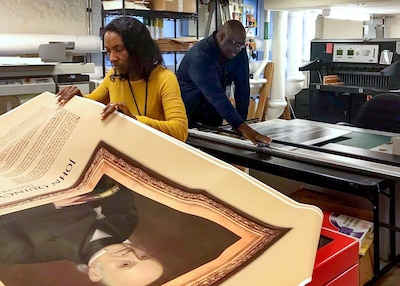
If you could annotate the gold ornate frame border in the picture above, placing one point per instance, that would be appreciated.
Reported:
(255, 237)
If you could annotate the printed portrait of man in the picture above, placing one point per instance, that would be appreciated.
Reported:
(115, 235)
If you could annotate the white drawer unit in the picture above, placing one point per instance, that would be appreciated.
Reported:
(27, 85)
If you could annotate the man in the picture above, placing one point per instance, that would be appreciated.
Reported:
(204, 73)
(93, 232)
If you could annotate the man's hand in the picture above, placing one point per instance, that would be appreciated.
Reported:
(63, 96)
(253, 135)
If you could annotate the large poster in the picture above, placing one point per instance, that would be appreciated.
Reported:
(115, 202)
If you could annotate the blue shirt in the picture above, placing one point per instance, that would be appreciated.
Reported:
(203, 75)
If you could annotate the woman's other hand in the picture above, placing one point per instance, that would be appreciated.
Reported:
(111, 107)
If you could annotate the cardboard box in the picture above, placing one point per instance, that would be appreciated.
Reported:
(189, 6)
(164, 5)
(183, 6)
(336, 203)
(175, 44)
(366, 266)
(351, 226)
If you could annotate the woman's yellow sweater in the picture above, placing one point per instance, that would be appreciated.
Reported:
(165, 109)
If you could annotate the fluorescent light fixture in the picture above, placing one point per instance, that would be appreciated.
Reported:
(346, 14)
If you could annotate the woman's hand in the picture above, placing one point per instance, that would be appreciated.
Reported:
(118, 106)
(64, 95)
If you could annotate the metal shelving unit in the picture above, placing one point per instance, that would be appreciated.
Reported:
(150, 13)
(168, 15)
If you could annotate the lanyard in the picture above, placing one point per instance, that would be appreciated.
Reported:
(134, 98)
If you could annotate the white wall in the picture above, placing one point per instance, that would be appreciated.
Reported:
(44, 16)
(392, 27)
(327, 28)
(54, 17)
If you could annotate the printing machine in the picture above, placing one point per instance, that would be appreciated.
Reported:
(22, 80)
(362, 68)
(31, 68)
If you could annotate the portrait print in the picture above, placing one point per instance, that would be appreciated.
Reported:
(192, 238)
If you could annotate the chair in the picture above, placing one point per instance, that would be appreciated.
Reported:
(381, 112)
(265, 90)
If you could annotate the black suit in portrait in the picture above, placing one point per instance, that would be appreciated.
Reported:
(45, 233)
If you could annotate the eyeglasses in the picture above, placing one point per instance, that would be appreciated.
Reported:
(236, 44)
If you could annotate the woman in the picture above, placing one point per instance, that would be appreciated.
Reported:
(138, 85)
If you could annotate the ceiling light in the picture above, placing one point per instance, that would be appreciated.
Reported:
(346, 15)
(358, 5)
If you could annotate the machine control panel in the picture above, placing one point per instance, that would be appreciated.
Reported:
(353, 53)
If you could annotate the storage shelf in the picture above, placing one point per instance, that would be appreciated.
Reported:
(123, 8)
(150, 13)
